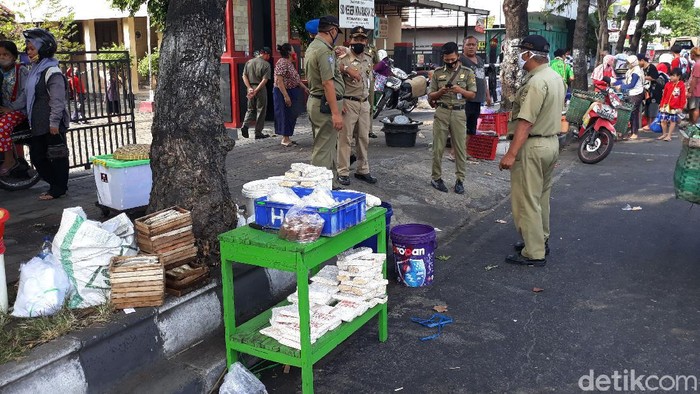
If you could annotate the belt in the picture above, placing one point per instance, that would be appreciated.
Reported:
(451, 107)
(510, 136)
(320, 96)
(361, 100)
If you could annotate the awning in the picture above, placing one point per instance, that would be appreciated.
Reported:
(432, 4)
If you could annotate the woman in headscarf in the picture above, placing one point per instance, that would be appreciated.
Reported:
(633, 84)
(603, 70)
(47, 112)
(12, 102)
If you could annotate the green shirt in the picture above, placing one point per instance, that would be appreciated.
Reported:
(563, 69)
(539, 101)
(465, 79)
(321, 64)
(256, 70)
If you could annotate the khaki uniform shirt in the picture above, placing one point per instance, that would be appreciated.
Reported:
(362, 63)
(256, 70)
(320, 64)
(539, 101)
(465, 79)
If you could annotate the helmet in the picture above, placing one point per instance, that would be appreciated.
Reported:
(43, 40)
(381, 54)
(666, 58)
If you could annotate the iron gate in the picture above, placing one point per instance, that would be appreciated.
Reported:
(101, 105)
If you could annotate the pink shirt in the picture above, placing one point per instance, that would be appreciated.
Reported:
(696, 80)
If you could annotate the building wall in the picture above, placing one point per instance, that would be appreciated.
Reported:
(427, 37)
(240, 25)
(281, 21)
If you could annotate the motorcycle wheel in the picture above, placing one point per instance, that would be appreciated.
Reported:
(22, 177)
(411, 106)
(595, 145)
(381, 104)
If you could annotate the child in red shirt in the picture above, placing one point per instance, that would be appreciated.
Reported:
(672, 104)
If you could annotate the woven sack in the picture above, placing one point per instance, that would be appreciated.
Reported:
(133, 152)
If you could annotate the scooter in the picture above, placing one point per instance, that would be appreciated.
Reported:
(401, 91)
(23, 175)
(597, 132)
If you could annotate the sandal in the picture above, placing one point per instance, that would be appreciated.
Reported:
(667, 139)
(290, 143)
(661, 137)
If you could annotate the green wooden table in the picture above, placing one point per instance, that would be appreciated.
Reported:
(249, 246)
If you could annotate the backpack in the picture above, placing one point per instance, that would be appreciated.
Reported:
(685, 68)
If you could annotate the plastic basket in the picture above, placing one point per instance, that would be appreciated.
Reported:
(497, 122)
(336, 219)
(482, 146)
(686, 178)
(579, 104)
(624, 113)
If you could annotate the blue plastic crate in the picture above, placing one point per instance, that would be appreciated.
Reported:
(336, 219)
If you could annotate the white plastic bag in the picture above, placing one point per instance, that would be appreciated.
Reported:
(84, 249)
(239, 380)
(43, 286)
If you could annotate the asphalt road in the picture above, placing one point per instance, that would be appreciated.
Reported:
(620, 293)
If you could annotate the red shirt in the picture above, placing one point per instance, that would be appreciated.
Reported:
(675, 63)
(674, 95)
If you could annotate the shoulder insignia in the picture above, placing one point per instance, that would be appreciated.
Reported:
(331, 59)
(461, 76)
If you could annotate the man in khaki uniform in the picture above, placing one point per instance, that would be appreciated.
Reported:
(256, 73)
(534, 150)
(355, 67)
(450, 87)
(326, 90)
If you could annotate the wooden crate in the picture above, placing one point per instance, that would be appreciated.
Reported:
(137, 281)
(167, 241)
(177, 257)
(186, 278)
(163, 221)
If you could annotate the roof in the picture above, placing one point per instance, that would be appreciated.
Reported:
(433, 4)
(82, 9)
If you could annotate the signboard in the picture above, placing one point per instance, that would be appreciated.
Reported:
(356, 13)
(382, 27)
(480, 25)
(481, 46)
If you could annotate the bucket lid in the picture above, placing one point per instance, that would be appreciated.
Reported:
(413, 231)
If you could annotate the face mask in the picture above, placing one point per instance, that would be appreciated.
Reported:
(334, 38)
(294, 57)
(521, 62)
(358, 48)
(6, 62)
(451, 64)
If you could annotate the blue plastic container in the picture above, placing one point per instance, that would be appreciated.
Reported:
(372, 242)
(336, 219)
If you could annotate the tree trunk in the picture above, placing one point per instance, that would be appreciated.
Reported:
(516, 28)
(620, 47)
(189, 146)
(579, 51)
(645, 7)
(603, 7)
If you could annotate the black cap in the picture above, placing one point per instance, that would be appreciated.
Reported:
(641, 56)
(358, 31)
(265, 50)
(535, 43)
(328, 21)
(560, 52)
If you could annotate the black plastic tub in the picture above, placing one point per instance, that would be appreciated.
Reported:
(398, 134)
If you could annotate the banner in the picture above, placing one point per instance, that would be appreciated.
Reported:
(480, 25)
(356, 13)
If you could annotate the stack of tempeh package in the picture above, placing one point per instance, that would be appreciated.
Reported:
(338, 293)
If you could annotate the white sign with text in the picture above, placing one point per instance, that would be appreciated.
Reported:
(356, 13)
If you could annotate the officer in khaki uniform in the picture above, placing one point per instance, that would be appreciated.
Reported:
(326, 90)
(256, 73)
(450, 87)
(534, 150)
(355, 67)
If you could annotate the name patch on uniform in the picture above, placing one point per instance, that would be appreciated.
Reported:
(442, 78)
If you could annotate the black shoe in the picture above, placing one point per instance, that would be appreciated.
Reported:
(261, 136)
(366, 177)
(459, 187)
(520, 245)
(344, 180)
(439, 185)
(353, 158)
(372, 135)
(244, 131)
(519, 259)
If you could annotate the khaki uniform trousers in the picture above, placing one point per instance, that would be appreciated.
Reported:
(531, 185)
(257, 109)
(452, 123)
(355, 119)
(324, 149)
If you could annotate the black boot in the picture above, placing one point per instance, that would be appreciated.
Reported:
(244, 131)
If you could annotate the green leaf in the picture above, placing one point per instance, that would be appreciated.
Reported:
(443, 258)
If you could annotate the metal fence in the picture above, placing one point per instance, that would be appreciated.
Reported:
(101, 103)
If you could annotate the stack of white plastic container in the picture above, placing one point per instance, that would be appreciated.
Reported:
(336, 294)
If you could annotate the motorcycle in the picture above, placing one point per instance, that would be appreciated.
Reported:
(401, 91)
(23, 175)
(598, 129)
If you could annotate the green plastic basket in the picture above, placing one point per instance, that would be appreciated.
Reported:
(624, 113)
(579, 104)
(686, 178)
